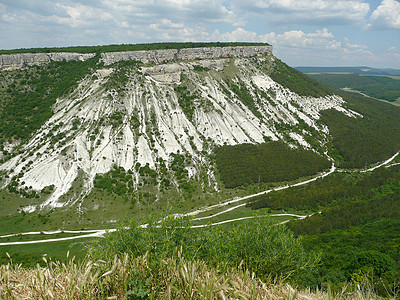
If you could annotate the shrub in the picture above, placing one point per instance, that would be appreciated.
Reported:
(268, 251)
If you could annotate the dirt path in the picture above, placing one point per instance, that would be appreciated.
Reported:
(101, 232)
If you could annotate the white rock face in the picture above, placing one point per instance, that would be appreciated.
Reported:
(22, 60)
(173, 55)
(144, 122)
(19, 61)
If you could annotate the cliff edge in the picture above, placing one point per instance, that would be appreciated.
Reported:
(22, 60)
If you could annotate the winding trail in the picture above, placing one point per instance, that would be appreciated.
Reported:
(238, 199)
(381, 164)
(101, 232)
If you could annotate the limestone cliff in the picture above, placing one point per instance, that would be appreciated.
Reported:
(18, 61)
(173, 55)
(22, 60)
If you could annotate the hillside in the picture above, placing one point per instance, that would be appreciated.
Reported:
(226, 136)
(155, 125)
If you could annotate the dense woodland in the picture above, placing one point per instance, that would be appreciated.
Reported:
(369, 250)
(355, 226)
(359, 142)
(130, 47)
(375, 86)
(339, 188)
(268, 162)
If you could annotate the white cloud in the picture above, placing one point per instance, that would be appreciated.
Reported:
(239, 35)
(297, 47)
(283, 23)
(386, 15)
(306, 11)
(152, 10)
(321, 39)
(81, 15)
(394, 52)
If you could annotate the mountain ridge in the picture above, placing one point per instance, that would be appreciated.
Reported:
(21, 60)
(134, 116)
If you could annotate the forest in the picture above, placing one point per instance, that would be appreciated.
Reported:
(380, 87)
(325, 192)
(356, 239)
(268, 162)
(131, 47)
(355, 226)
(366, 251)
(359, 141)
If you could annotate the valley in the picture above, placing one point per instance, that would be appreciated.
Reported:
(213, 136)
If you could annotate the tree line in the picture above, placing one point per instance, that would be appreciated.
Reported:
(131, 47)
(267, 162)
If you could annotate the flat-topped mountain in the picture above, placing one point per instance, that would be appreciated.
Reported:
(157, 126)
(20, 60)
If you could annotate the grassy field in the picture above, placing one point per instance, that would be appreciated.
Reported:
(55, 250)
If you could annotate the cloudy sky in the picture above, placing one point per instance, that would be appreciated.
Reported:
(303, 32)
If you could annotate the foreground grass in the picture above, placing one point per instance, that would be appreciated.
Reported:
(133, 278)
(168, 259)
(56, 250)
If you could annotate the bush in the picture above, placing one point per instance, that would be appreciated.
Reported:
(268, 251)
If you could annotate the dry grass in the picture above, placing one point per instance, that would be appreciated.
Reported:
(174, 278)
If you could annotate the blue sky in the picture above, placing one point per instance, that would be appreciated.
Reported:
(303, 32)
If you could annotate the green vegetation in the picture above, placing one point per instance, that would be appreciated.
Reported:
(268, 251)
(119, 78)
(375, 86)
(136, 278)
(243, 95)
(369, 250)
(116, 181)
(186, 100)
(352, 215)
(130, 47)
(363, 238)
(268, 162)
(30, 255)
(336, 189)
(199, 68)
(296, 81)
(27, 96)
(359, 142)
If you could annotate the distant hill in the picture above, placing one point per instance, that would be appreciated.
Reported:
(377, 83)
(357, 70)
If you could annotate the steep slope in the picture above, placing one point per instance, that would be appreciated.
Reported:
(163, 122)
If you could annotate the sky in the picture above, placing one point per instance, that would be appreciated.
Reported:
(302, 32)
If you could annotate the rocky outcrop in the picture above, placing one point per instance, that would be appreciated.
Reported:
(173, 55)
(22, 60)
(18, 61)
